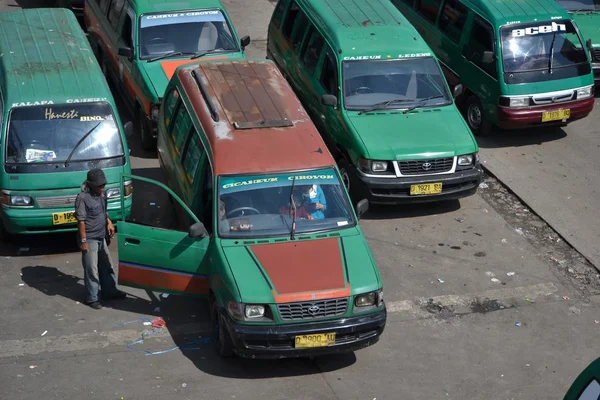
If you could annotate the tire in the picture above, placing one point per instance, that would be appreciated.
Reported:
(475, 117)
(344, 168)
(5, 236)
(148, 142)
(220, 337)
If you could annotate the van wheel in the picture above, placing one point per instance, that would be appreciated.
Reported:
(344, 168)
(148, 142)
(5, 236)
(221, 339)
(475, 116)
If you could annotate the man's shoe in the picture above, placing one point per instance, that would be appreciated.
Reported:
(95, 305)
(117, 295)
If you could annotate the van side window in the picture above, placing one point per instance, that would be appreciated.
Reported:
(170, 103)
(181, 128)
(104, 5)
(127, 31)
(481, 39)
(312, 49)
(278, 13)
(114, 13)
(207, 196)
(298, 31)
(429, 9)
(290, 17)
(452, 20)
(329, 78)
(191, 157)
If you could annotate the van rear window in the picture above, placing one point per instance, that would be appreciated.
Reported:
(54, 134)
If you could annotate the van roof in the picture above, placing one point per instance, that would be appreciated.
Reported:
(150, 6)
(45, 56)
(261, 125)
(500, 12)
(361, 27)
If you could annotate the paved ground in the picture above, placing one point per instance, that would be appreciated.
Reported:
(451, 332)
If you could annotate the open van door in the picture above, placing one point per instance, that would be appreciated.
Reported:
(587, 384)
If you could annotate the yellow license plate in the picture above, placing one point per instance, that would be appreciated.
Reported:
(60, 218)
(555, 115)
(315, 340)
(426, 188)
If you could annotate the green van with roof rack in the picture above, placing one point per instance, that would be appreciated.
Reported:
(379, 98)
(522, 64)
(586, 13)
(59, 120)
(140, 43)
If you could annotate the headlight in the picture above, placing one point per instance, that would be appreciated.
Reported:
(235, 310)
(379, 166)
(585, 92)
(255, 311)
(15, 200)
(113, 193)
(369, 299)
(467, 159)
(519, 102)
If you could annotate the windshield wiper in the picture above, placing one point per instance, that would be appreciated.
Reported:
(293, 208)
(409, 109)
(205, 52)
(88, 133)
(172, 54)
(551, 59)
(384, 104)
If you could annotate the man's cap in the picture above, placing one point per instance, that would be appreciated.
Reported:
(95, 177)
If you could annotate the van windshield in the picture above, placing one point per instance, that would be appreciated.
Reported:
(403, 83)
(187, 32)
(542, 51)
(259, 206)
(50, 134)
(580, 5)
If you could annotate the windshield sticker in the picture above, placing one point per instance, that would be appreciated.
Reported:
(91, 118)
(241, 183)
(182, 18)
(536, 30)
(378, 57)
(362, 58)
(90, 100)
(49, 114)
(32, 103)
(35, 155)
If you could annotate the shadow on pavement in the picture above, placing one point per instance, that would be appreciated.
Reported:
(179, 313)
(377, 211)
(522, 137)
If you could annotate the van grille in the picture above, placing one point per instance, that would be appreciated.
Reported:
(56, 201)
(312, 309)
(423, 167)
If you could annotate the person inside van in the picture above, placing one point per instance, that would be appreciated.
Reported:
(300, 205)
(314, 200)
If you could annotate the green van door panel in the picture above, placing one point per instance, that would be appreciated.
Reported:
(587, 384)
(160, 259)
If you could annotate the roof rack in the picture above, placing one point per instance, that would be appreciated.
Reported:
(278, 123)
(211, 106)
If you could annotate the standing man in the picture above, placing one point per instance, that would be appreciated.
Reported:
(94, 224)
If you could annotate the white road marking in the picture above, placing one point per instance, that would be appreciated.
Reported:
(408, 309)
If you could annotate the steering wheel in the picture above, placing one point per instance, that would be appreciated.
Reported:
(35, 144)
(243, 209)
(156, 39)
(361, 88)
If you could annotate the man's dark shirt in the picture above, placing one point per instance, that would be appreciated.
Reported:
(91, 208)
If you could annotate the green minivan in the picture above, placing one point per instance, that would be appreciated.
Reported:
(522, 64)
(586, 13)
(378, 96)
(139, 43)
(259, 222)
(58, 120)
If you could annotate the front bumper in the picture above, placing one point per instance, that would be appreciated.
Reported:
(397, 190)
(518, 118)
(28, 221)
(255, 341)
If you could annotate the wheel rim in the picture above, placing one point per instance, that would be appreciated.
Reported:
(345, 178)
(474, 116)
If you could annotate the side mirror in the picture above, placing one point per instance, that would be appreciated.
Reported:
(362, 207)
(245, 41)
(126, 52)
(197, 230)
(458, 89)
(488, 57)
(128, 128)
(588, 44)
(329, 100)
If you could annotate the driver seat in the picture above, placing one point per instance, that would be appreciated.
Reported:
(208, 37)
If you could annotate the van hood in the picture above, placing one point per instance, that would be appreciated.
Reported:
(435, 132)
(160, 72)
(589, 27)
(58, 180)
(302, 270)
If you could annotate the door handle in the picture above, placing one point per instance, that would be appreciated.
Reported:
(132, 241)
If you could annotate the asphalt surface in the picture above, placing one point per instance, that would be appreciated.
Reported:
(452, 333)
